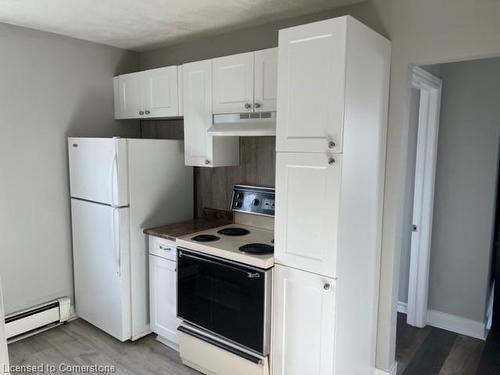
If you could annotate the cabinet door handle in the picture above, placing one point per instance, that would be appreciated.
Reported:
(326, 286)
(165, 248)
(331, 161)
(147, 112)
(331, 144)
(248, 106)
(207, 162)
(257, 105)
(141, 112)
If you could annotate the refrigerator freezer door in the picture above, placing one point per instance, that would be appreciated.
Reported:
(98, 170)
(101, 258)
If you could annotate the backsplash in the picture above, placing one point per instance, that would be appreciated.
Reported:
(214, 186)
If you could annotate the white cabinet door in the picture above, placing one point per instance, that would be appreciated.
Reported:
(163, 297)
(197, 101)
(307, 209)
(160, 92)
(266, 80)
(201, 149)
(311, 82)
(304, 323)
(129, 102)
(233, 81)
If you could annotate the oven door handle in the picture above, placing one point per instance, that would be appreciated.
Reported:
(250, 275)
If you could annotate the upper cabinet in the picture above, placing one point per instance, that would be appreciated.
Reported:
(149, 94)
(311, 87)
(233, 83)
(246, 82)
(266, 80)
(201, 149)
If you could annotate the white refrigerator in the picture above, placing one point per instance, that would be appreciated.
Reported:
(118, 187)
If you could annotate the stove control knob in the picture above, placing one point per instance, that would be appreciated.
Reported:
(237, 204)
(256, 202)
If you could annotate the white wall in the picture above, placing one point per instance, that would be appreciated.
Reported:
(51, 87)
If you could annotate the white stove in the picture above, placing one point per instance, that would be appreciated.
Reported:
(254, 248)
(224, 287)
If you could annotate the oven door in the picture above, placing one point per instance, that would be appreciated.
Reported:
(224, 297)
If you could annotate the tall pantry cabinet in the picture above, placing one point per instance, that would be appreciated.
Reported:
(333, 80)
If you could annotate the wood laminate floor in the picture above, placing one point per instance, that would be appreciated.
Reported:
(79, 343)
(427, 351)
(434, 351)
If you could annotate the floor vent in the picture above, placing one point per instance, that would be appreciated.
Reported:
(39, 318)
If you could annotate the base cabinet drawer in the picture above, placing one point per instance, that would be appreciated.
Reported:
(163, 298)
(163, 248)
(304, 323)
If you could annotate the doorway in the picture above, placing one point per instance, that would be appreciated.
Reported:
(447, 266)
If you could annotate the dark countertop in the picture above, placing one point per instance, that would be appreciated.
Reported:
(211, 219)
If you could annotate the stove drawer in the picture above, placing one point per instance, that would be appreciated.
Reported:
(163, 248)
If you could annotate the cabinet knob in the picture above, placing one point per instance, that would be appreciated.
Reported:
(248, 106)
(331, 161)
(331, 144)
(147, 112)
(207, 162)
(326, 286)
(257, 105)
(141, 112)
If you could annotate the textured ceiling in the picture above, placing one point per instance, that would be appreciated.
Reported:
(145, 24)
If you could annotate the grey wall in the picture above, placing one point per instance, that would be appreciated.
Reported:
(465, 191)
(244, 40)
(51, 87)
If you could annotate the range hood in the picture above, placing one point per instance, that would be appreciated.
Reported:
(253, 124)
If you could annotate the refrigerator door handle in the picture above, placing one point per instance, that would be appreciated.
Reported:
(116, 242)
(114, 172)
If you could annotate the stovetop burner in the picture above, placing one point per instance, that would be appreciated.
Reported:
(205, 238)
(257, 248)
(233, 231)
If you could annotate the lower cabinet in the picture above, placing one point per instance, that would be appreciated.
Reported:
(163, 299)
(304, 323)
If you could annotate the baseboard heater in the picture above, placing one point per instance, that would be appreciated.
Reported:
(36, 319)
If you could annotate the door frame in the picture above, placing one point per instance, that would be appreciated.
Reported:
(423, 198)
(4, 354)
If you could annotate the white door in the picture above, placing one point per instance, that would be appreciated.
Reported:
(266, 80)
(311, 82)
(130, 102)
(304, 323)
(160, 92)
(4, 354)
(163, 297)
(197, 101)
(233, 81)
(98, 170)
(307, 209)
(101, 261)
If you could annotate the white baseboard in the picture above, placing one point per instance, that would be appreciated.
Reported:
(402, 307)
(456, 324)
(392, 371)
(451, 322)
